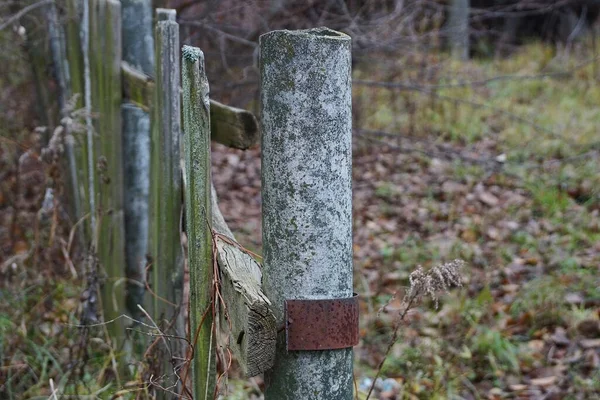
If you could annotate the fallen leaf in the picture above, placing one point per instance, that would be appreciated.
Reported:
(589, 343)
(469, 236)
(546, 381)
(559, 337)
(488, 199)
(592, 360)
(574, 298)
(536, 345)
(518, 387)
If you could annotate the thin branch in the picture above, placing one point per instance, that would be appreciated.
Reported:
(24, 11)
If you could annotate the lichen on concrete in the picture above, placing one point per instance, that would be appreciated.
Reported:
(307, 206)
(138, 39)
(136, 156)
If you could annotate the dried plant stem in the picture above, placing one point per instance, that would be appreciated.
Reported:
(393, 340)
(430, 283)
(187, 367)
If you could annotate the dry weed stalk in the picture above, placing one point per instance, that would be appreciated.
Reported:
(423, 283)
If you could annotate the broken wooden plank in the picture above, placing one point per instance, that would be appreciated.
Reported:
(248, 318)
(138, 88)
(252, 331)
(233, 127)
(230, 126)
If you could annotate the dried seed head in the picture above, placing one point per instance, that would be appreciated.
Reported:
(430, 283)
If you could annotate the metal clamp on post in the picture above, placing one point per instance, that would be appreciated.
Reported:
(321, 324)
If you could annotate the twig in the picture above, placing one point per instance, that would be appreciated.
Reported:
(232, 242)
(192, 345)
(53, 390)
(162, 335)
(153, 293)
(24, 11)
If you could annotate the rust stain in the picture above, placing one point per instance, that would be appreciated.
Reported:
(321, 324)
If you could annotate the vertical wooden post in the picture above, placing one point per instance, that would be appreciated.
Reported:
(196, 125)
(166, 14)
(307, 196)
(61, 71)
(74, 32)
(57, 52)
(458, 25)
(165, 188)
(36, 47)
(138, 52)
(104, 54)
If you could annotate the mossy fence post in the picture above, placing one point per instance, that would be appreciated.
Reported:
(307, 197)
(75, 31)
(58, 50)
(196, 126)
(104, 92)
(166, 193)
(93, 51)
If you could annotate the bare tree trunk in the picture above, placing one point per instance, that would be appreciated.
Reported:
(458, 27)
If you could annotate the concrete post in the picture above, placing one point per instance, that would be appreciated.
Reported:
(138, 38)
(138, 52)
(136, 161)
(307, 196)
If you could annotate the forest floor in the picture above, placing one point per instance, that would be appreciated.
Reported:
(503, 173)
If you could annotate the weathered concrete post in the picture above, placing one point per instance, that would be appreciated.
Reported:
(198, 212)
(138, 39)
(307, 196)
(136, 162)
(138, 52)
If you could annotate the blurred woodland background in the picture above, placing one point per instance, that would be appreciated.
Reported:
(477, 141)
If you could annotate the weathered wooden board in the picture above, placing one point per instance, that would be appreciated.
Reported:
(230, 126)
(248, 319)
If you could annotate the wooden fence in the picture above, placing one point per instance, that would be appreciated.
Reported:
(137, 192)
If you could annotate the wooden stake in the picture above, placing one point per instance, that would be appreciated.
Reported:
(107, 162)
(196, 125)
(165, 192)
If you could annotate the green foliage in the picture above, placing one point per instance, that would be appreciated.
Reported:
(543, 299)
(492, 349)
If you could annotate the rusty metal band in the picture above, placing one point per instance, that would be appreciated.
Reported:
(321, 324)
